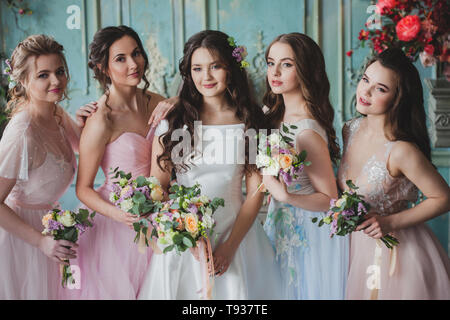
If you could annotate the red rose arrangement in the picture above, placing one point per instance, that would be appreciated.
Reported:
(420, 28)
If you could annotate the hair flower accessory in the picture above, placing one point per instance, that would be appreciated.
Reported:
(239, 53)
(8, 72)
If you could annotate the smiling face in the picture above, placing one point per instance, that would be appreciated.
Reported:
(126, 62)
(376, 90)
(281, 71)
(208, 73)
(46, 79)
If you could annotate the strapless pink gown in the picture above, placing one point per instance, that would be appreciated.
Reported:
(111, 265)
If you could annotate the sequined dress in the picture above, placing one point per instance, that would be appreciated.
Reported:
(419, 268)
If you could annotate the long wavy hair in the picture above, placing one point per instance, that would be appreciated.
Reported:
(187, 110)
(314, 84)
(33, 46)
(99, 53)
(406, 117)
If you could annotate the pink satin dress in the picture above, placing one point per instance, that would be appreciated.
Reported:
(419, 267)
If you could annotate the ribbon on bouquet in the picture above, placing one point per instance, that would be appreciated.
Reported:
(207, 267)
(377, 263)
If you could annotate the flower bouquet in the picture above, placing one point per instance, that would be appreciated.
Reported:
(347, 213)
(185, 218)
(277, 157)
(140, 197)
(66, 225)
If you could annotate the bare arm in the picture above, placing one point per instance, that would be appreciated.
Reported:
(94, 138)
(224, 253)
(13, 224)
(320, 173)
(420, 172)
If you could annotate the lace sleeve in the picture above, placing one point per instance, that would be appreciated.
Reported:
(14, 156)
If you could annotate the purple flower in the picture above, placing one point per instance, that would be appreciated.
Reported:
(333, 202)
(54, 225)
(334, 226)
(286, 177)
(80, 227)
(114, 188)
(348, 212)
(192, 208)
(361, 208)
(237, 54)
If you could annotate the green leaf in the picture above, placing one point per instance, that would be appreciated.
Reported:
(314, 220)
(178, 238)
(141, 181)
(137, 226)
(293, 126)
(351, 185)
(303, 155)
(307, 163)
(285, 129)
(139, 197)
(93, 214)
(168, 248)
(135, 209)
(321, 223)
(188, 242)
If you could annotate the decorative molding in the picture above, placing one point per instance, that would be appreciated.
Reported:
(119, 12)
(441, 158)
(205, 20)
(172, 17)
(316, 17)
(341, 61)
(157, 68)
(303, 13)
(442, 121)
(84, 46)
(257, 70)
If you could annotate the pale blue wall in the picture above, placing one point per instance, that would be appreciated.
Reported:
(164, 25)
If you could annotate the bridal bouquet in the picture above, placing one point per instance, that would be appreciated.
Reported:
(277, 156)
(185, 218)
(66, 225)
(347, 213)
(139, 196)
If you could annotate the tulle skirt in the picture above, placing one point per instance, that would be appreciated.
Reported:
(25, 271)
(313, 265)
(251, 275)
(109, 261)
(421, 269)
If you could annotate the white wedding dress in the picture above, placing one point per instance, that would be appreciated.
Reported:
(253, 273)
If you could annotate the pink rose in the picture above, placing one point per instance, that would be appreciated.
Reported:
(385, 4)
(408, 28)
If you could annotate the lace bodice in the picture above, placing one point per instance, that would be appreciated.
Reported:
(386, 194)
(40, 159)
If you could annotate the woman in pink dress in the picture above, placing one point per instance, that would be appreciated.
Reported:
(116, 135)
(387, 155)
(37, 165)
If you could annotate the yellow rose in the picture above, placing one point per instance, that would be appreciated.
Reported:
(124, 191)
(45, 220)
(285, 161)
(191, 223)
(157, 193)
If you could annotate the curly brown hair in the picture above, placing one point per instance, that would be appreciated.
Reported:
(187, 109)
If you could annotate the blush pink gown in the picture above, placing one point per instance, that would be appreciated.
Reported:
(420, 267)
(43, 164)
(111, 265)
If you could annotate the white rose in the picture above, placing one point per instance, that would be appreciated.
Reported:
(112, 197)
(208, 211)
(66, 219)
(126, 205)
(204, 199)
(263, 160)
(207, 222)
(153, 180)
(272, 169)
(274, 139)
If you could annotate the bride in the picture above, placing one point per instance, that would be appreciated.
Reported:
(215, 92)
